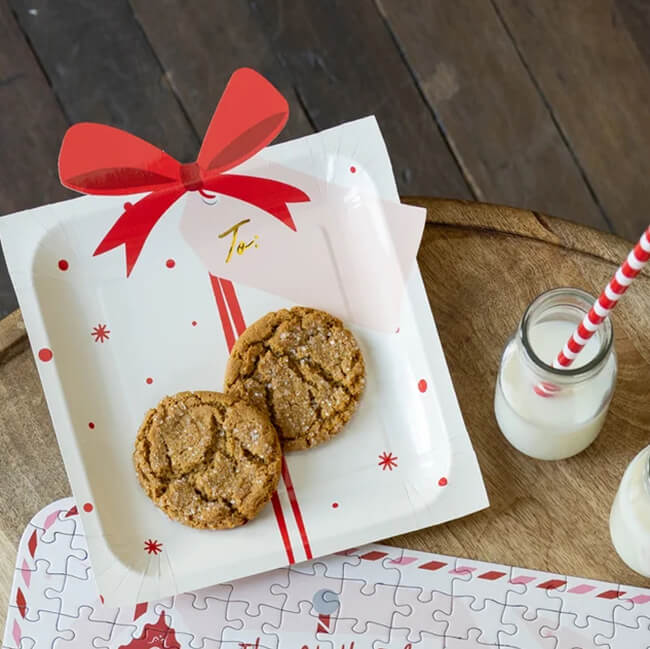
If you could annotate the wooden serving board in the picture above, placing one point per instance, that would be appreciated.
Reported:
(482, 265)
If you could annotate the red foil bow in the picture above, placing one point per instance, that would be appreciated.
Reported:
(98, 159)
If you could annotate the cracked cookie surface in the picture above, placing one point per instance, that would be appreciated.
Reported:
(207, 459)
(304, 368)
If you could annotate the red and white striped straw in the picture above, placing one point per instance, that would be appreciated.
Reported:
(601, 309)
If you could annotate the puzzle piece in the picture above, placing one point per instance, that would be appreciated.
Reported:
(486, 620)
(73, 586)
(626, 637)
(296, 586)
(419, 623)
(64, 530)
(32, 600)
(204, 617)
(44, 625)
(422, 580)
(85, 629)
(297, 628)
(252, 597)
(370, 559)
(540, 593)
(364, 614)
(267, 623)
(120, 636)
(537, 632)
(631, 628)
(333, 565)
(479, 595)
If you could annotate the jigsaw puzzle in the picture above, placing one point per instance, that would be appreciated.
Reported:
(376, 597)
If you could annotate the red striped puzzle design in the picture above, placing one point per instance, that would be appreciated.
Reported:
(494, 575)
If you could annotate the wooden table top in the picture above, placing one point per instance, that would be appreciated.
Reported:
(545, 515)
(480, 100)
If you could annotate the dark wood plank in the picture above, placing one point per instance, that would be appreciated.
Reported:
(31, 128)
(201, 43)
(635, 15)
(490, 110)
(345, 64)
(592, 74)
(102, 69)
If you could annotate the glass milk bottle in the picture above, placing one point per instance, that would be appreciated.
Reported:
(629, 522)
(567, 420)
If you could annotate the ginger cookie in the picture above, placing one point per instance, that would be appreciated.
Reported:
(208, 460)
(304, 368)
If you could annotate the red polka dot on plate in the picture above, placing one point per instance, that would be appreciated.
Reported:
(63, 264)
(170, 263)
(88, 507)
(91, 424)
(335, 505)
(194, 323)
(45, 354)
(442, 482)
(149, 380)
(353, 169)
(422, 385)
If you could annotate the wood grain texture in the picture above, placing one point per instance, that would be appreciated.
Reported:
(492, 114)
(592, 74)
(343, 63)
(34, 473)
(546, 515)
(31, 127)
(201, 43)
(635, 15)
(102, 69)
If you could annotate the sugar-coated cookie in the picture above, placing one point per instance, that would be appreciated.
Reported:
(207, 459)
(303, 368)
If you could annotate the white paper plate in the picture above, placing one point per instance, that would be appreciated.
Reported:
(165, 335)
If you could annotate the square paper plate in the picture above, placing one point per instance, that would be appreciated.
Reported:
(108, 349)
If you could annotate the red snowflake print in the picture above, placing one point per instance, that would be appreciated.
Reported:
(100, 333)
(387, 461)
(152, 546)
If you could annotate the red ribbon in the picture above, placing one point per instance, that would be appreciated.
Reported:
(98, 159)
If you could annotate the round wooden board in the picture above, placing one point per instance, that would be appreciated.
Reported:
(482, 264)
